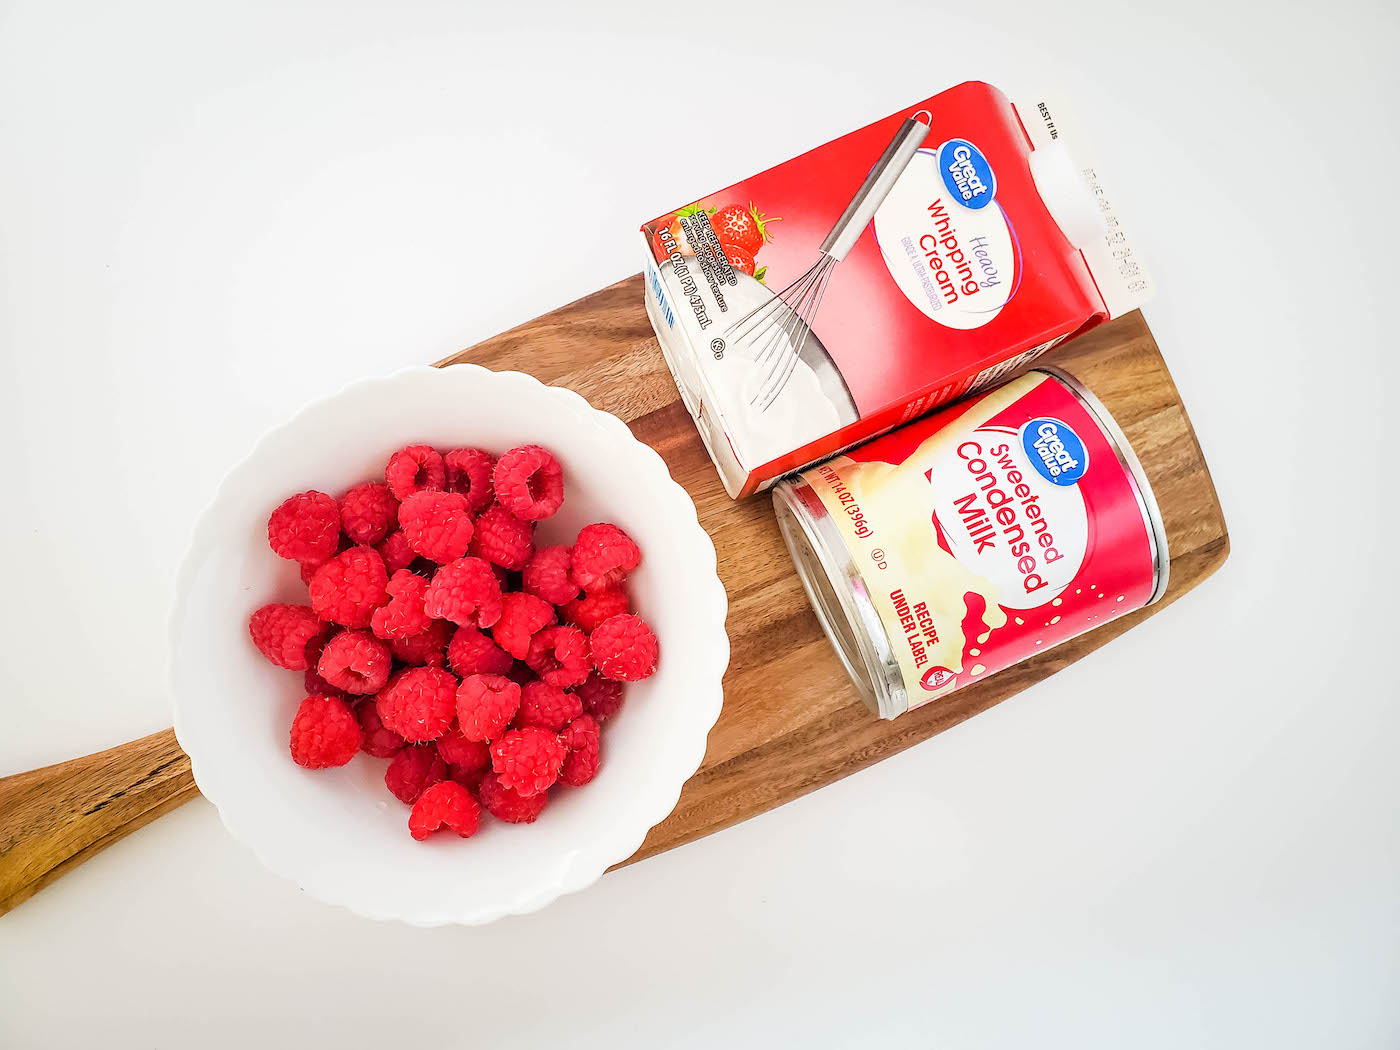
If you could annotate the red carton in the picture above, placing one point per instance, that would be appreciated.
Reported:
(904, 265)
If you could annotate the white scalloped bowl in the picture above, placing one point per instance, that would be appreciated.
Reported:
(338, 833)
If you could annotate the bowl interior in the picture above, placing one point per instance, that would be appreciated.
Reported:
(338, 832)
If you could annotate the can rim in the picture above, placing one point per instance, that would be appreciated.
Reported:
(857, 632)
(1142, 489)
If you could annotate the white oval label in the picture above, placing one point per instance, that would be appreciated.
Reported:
(959, 265)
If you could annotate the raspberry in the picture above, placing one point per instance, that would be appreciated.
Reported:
(348, 588)
(581, 737)
(395, 551)
(469, 778)
(579, 733)
(412, 771)
(436, 525)
(369, 512)
(624, 649)
(324, 733)
(463, 754)
(529, 483)
(521, 616)
(427, 649)
(485, 705)
(414, 469)
(546, 575)
(448, 805)
(603, 555)
(580, 766)
(527, 760)
(602, 697)
(469, 473)
(315, 684)
(283, 633)
(403, 617)
(356, 662)
(471, 652)
(314, 648)
(592, 609)
(547, 707)
(512, 807)
(376, 740)
(305, 528)
(502, 538)
(559, 655)
(418, 703)
(466, 592)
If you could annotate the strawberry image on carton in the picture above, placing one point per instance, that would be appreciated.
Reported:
(902, 266)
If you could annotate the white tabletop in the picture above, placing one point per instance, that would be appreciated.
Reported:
(211, 213)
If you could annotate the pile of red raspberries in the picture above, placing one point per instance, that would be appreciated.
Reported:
(438, 636)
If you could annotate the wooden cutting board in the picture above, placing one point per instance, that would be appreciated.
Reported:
(791, 720)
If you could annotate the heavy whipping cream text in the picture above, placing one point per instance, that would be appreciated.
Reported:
(982, 536)
(957, 271)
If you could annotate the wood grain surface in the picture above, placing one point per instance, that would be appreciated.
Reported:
(53, 819)
(791, 722)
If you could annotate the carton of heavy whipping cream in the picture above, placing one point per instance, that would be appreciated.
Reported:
(904, 265)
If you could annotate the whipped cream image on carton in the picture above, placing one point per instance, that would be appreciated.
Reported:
(862, 284)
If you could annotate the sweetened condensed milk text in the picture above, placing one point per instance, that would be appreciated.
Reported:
(989, 506)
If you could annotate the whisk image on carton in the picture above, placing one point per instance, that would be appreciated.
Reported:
(775, 334)
(925, 256)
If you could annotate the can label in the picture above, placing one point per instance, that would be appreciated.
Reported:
(990, 531)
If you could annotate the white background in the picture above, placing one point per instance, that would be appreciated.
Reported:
(212, 213)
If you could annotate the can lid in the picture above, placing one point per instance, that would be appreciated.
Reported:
(1147, 502)
(838, 597)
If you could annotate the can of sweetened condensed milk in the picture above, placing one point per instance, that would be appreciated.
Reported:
(974, 538)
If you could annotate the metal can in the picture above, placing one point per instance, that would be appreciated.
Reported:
(974, 538)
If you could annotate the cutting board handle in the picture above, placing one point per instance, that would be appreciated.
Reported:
(53, 819)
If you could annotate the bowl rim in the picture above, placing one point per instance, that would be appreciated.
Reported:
(623, 840)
